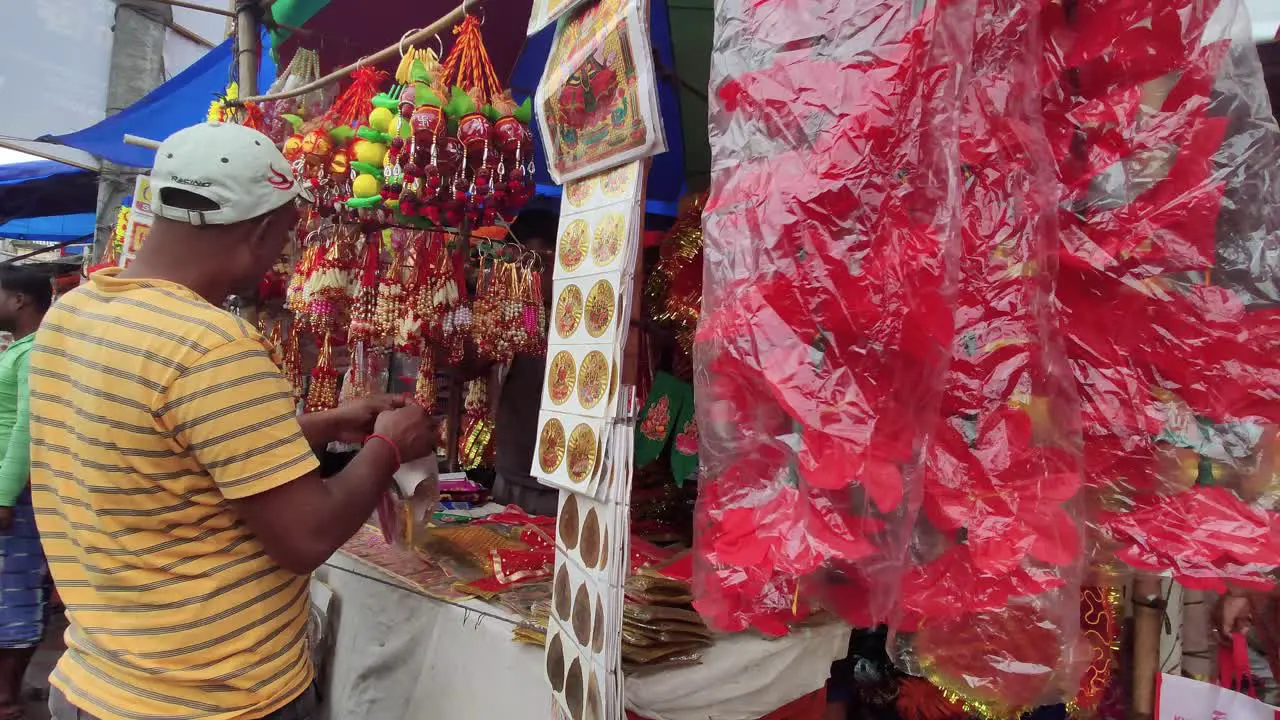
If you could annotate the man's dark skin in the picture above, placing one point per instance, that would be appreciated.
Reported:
(301, 523)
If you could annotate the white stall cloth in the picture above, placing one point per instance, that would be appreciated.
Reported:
(398, 655)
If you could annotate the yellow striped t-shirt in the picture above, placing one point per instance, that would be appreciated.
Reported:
(150, 408)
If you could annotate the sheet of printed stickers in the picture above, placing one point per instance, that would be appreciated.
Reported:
(585, 443)
(599, 116)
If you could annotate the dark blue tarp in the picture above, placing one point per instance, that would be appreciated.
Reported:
(38, 170)
(666, 176)
(45, 187)
(180, 102)
(51, 228)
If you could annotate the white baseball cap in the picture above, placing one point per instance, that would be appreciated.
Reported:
(236, 168)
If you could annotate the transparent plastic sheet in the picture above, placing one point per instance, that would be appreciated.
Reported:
(990, 605)
(831, 248)
(1169, 160)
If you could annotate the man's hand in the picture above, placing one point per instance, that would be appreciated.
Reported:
(354, 420)
(414, 433)
(1233, 614)
(6, 519)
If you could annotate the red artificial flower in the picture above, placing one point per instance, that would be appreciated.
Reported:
(1205, 536)
(1006, 493)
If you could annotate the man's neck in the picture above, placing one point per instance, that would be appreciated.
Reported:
(26, 326)
(192, 275)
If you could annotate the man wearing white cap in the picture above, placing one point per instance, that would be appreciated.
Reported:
(176, 493)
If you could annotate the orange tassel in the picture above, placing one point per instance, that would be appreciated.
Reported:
(467, 65)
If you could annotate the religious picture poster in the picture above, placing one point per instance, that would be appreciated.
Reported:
(546, 12)
(598, 95)
(141, 217)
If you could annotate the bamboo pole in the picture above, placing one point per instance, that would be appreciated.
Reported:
(141, 142)
(454, 17)
(247, 46)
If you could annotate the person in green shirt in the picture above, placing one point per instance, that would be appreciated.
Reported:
(24, 587)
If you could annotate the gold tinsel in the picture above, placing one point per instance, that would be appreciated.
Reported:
(678, 308)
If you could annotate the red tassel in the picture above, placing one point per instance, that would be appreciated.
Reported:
(352, 105)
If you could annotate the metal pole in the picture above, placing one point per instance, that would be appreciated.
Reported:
(247, 45)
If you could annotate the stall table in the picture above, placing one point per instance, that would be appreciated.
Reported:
(398, 654)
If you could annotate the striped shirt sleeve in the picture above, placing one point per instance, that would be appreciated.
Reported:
(234, 412)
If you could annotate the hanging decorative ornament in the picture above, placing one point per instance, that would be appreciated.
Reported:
(475, 436)
(497, 172)
(291, 361)
(673, 291)
(277, 344)
(390, 297)
(409, 330)
(296, 292)
(323, 391)
(364, 313)
(301, 70)
(424, 389)
(328, 289)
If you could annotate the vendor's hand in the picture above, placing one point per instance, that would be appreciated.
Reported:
(355, 419)
(1233, 614)
(414, 433)
(6, 519)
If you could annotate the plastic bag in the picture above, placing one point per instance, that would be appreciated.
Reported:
(990, 603)
(830, 257)
(1168, 156)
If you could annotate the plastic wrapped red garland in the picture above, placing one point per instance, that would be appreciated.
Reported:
(825, 343)
(1113, 386)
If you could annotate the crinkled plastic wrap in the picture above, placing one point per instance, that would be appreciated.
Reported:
(961, 343)
(832, 243)
(990, 602)
(1169, 159)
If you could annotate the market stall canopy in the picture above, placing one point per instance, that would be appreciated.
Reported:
(50, 228)
(45, 187)
(182, 101)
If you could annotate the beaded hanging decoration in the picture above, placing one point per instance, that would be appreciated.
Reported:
(390, 297)
(364, 312)
(409, 324)
(291, 361)
(475, 439)
(424, 389)
(296, 294)
(323, 392)
(328, 289)
(496, 309)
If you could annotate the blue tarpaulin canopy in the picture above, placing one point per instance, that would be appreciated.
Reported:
(18, 173)
(181, 101)
(45, 187)
(50, 228)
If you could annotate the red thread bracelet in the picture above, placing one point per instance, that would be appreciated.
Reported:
(391, 443)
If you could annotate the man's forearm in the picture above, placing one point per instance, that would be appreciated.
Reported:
(303, 522)
(356, 491)
(320, 428)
